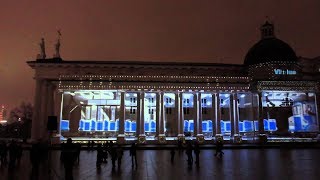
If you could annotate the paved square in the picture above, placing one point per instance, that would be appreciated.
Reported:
(238, 164)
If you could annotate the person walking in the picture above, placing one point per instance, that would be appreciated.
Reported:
(69, 159)
(119, 155)
(3, 153)
(219, 147)
(35, 160)
(189, 154)
(99, 156)
(197, 153)
(13, 153)
(133, 154)
(113, 154)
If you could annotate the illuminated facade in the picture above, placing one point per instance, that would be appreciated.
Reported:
(271, 93)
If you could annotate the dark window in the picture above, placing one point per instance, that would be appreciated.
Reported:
(168, 110)
(204, 110)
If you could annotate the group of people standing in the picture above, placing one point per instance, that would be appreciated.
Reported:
(14, 150)
(191, 147)
(115, 152)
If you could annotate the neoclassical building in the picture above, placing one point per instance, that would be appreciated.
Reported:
(273, 94)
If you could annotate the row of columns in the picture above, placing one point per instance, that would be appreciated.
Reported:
(48, 102)
(160, 113)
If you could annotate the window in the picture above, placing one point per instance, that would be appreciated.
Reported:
(185, 110)
(151, 111)
(168, 100)
(133, 100)
(132, 111)
(204, 110)
(151, 100)
(168, 110)
(204, 101)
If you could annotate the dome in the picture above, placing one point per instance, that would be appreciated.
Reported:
(270, 50)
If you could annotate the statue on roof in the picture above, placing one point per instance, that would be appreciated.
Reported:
(42, 54)
(57, 46)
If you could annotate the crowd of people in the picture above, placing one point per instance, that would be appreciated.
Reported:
(11, 153)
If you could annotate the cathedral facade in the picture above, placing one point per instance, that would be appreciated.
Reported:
(273, 94)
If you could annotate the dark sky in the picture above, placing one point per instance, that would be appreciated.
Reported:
(148, 30)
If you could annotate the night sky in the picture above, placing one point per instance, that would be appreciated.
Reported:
(145, 30)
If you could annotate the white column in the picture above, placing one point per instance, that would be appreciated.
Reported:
(35, 133)
(58, 105)
(181, 119)
(200, 114)
(218, 114)
(43, 111)
(195, 114)
(177, 113)
(138, 113)
(213, 113)
(142, 108)
(158, 112)
(231, 114)
(162, 116)
(261, 126)
(50, 101)
(236, 113)
(122, 113)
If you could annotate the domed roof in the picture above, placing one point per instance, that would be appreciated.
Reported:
(270, 50)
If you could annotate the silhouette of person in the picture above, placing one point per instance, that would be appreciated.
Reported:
(219, 147)
(69, 159)
(35, 160)
(99, 155)
(119, 155)
(189, 154)
(113, 153)
(19, 153)
(172, 153)
(197, 153)
(3, 153)
(133, 154)
(13, 153)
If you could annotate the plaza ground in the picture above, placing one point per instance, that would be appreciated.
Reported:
(269, 164)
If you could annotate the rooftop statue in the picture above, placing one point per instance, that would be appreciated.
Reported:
(42, 54)
(57, 46)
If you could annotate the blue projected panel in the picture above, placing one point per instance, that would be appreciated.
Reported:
(133, 126)
(210, 126)
(81, 125)
(64, 125)
(100, 125)
(205, 126)
(185, 126)
(153, 126)
(241, 126)
(93, 125)
(127, 126)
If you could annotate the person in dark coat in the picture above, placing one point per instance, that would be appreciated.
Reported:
(197, 153)
(119, 155)
(13, 153)
(3, 153)
(133, 154)
(99, 155)
(189, 154)
(113, 153)
(35, 160)
(219, 147)
(69, 159)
